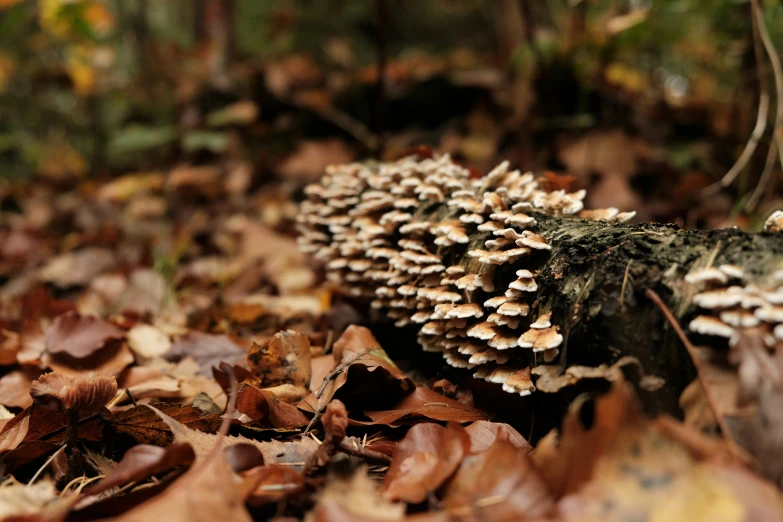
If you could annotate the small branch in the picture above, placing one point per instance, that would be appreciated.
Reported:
(697, 362)
(761, 116)
(364, 453)
(382, 51)
(334, 373)
(777, 73)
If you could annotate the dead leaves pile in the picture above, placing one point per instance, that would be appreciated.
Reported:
(380, 447)
(177, 363)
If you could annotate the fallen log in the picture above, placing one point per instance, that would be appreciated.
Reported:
(518, 283)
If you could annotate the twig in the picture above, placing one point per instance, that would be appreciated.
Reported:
(382, 48)
(777, 73)
(697, 362)
(130, 396)
(769, 165)
(332, 375)
(45, 465)
(761, 117)
(625, 284)
(364, 453)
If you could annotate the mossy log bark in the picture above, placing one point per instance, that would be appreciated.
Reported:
(595, 281)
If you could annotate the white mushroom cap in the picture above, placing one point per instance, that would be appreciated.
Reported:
(524, 285)
(489, 355)
(543, 321)
(535, 241)
(709, 274)
(779, 332)
(484, 331)
(708, 325)
(774, 223)
(519, 382)
(733, 271)
(434, 328)
(472, 218)
(503, 320)
(722, 298)
(469, 348)
(770, 314)
(512, 308)
(496, 301)
(500, 375)
(497, 243)
(490, 226)
(739, 318)
(465, 310)
(455, 269)
(541, 339)
(503, 341)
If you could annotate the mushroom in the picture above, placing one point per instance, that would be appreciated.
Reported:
(541, 339)
(73, 395)
(708, 325)
(703, 275)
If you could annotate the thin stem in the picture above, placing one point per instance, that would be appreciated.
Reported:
(697, 362)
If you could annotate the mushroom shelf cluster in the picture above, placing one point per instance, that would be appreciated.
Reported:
(426, 244)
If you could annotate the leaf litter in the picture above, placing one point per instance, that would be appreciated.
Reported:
(327, 425)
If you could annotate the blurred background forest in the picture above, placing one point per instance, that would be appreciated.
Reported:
(647, 103)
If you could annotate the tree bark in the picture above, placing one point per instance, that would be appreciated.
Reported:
(596, 277)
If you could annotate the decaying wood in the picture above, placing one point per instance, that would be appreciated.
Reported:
(513, 279)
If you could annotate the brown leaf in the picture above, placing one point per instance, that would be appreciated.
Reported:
(15, 390)
(355, 498)
(79, 336)
(423, 460)
(210, 490)
(273, 484)
(500, 483)
(284, 360)
(143, 461)
(425, 403)
(274, 452)
(644, 476)
(207, 349)
(110, 360)
(77, 268)
(484, 433)
(365, 378)
(146, 427)
(568, 466)
(264, 407)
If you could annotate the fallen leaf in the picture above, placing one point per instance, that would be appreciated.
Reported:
(207, 350)
(79, 336)
(146, 427)
(274, 452)
(77, 268)
(148, 341)
(273, 484)
(141, 462)
(568, 466)
(210, 490)
(358, 497)
(15, 390)
(500, 483)
(284, 360)
(484, 433)
(264, 407)
(427, 456)
(424, 403)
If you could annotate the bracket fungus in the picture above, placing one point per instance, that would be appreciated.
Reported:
(489, 252)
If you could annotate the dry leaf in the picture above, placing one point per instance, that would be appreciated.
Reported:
(484, 433)
(148, 341)
(79, 336)
(77, 268)
(500, 483)
(425, 403)
(284, 360)
(423, 460)
(141, 462)
(207, 350)
(264, 407)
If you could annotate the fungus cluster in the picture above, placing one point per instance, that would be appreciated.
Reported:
(730, 304)
(428, 245)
